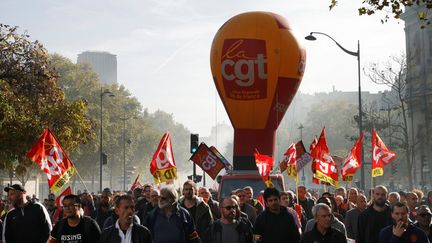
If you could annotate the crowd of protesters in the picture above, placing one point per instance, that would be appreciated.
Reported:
(192, 214)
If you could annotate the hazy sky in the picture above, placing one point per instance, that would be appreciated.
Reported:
(163, 46)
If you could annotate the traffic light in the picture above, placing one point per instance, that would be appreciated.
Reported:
(104, 158)
(194, 139)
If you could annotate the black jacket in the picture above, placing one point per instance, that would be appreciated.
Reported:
(140, 234)
(331, 236)
(30, 224)
(244, 229)
(277, 228)
(370, 222)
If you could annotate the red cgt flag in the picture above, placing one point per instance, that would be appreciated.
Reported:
(381, 155)
(353, 161)
(207, 160)
(163, 167)
(325, 168)
(291, 161)
(59, 203)
(264, 164)
(52, 159)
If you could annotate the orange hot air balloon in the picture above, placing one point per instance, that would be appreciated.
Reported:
(257, 66)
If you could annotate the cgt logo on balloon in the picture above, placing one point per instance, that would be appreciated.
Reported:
(244, 69)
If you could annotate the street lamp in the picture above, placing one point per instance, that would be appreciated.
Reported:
(102, 94)
(124, 119)
(310, 37)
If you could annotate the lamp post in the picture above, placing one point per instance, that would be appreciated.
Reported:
(124, 119)
(102, 94)
(360, 116)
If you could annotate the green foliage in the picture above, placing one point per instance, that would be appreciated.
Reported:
(142, 129)
(32, 101)
(394, 9)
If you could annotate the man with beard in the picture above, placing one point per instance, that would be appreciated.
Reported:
(26, 222)
(402, 231)
(104, 209)
(75, 228)
(204, 193)
(197, 208)
(229, 228)
(125, 229)
(424, 220)
(169, 222)
(275, 224)
(374, 218)
(351, 217)
(322, 231)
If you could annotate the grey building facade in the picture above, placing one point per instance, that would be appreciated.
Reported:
(419, 94)
(103, 63)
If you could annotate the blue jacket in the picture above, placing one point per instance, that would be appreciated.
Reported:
(187, 226)
(412, 234)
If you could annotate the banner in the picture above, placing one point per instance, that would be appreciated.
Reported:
(207, 161)
(264, 164)
(353, 161)
(59, 203)
(52, 159)
(325, 168)
(163, 167)
(381, 155)
(227, 164)
(302, 157)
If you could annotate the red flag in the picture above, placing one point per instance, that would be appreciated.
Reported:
(59, 203)
(264, 164)
(325, 167)
(53, 160)
(291, 161)
(136, 183)
(381, 155)
(207, 160)
(313, 165)
(353, 161)
(163, 167)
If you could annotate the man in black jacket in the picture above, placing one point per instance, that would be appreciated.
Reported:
(125, 229)
(228, 228)
(275, 224)
(374, 218)
(27, 222)
(75, 227)
(322, 231)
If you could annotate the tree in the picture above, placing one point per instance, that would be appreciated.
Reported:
(392, 73)
(394, 8)
(32, 101)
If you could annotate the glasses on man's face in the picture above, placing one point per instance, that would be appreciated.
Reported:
(70, 206)
(230, 207)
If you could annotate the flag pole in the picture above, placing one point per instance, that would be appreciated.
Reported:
(296, 183)
(82, 181)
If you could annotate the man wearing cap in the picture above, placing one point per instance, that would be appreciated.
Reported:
(27, 222)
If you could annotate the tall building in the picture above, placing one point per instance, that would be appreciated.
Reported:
(419, 93)
(103, 63)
